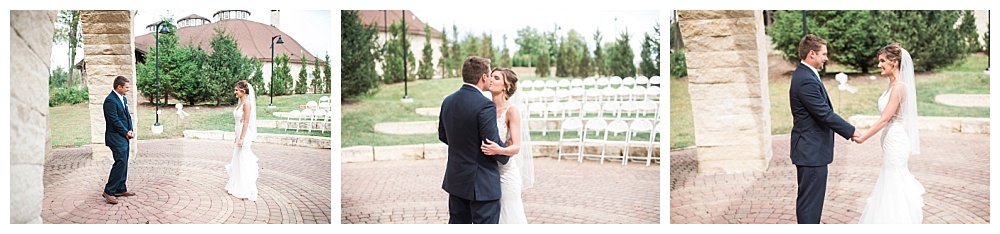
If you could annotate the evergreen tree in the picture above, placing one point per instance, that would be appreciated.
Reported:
(392, 65)
(317, 74)
(505, 60)
(444, 63)
(621, 57)
(257, 80)
(282, 75)
(327, 79)
(224, 67)
(302, 85)
(427, 60)
(599, 66)
(542, 70)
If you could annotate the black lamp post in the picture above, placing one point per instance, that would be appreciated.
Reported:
(272, 67)
(406, 92)
(160, 28)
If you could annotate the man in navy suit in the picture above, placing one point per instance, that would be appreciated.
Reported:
(813, 126)
(467, 119)
(117, 132)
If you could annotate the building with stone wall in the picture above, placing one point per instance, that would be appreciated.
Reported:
(30, 135)
(415, 35)
(109, 54)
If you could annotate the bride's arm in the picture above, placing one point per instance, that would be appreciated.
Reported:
(514, 130)
(246, 122)
(890, 109)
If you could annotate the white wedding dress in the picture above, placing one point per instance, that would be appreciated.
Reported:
(897, 196)
(243, 170)
(511, 206)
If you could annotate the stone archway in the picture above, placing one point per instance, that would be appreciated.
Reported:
(110, 52)
(726, 55)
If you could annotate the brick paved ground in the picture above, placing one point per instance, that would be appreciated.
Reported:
(183, 181)
(954, 169)
(566, 192)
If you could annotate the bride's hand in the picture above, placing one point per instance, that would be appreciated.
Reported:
(239, 143)
(490, 148)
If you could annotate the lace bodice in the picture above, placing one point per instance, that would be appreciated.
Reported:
(502, 126)
(884, 100)
(238, 116)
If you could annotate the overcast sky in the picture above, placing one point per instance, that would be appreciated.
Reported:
(585, 22)
(309, 28)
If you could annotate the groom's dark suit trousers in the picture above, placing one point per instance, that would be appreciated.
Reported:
(475, 212)
(812, 192)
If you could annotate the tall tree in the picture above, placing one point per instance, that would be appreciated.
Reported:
(505, 60)
(457, 54)
(529, 42)
(444, 63)
(968, 34)
(621, 56)
(542, 70)
(317, 74)
(599, 66)
(257, 80)
(327, 81)
(427, 59)
(68, 31)
(225, 66)
(392, 65)
(359, 54)
(650, 54)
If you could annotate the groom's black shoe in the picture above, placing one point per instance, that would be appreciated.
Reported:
(125, 194)
(109, 198)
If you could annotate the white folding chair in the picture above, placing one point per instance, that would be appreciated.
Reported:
(306, 116)
(628, 108)
(589, 82)
(628, 81)
(615, 81)
(654, 81)
(527, 85)
(546, 95)
(324, 106)
(609, 94)
(590, 108)
(327, 121)
(639, 93)
(603, 81)
(569, 126)
(616, 127)
(624, 93)
(562, 94)
(640, 126)
(571, 109)
(311, 105)
(592, 94)
(553, 112)
(610, 108)
(551, 84)
(598, 126)
(653, 93)
(324, 99)
(318, 117)
(641, 81)
(576, 82)
(292, 118)
(577, 93)
(563, 83)
(649, 106)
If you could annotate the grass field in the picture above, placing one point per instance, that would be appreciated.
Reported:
(71, 124)
(966, 77)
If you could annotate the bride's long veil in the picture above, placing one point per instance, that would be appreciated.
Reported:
(909, 105)
(251, 133)
(524, 161)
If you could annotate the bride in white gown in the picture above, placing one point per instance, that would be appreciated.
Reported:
(897, 196)
(518, 173)
(243, 170)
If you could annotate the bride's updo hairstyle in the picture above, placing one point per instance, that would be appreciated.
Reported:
(243, 86)
(893, 52)
(510, 84)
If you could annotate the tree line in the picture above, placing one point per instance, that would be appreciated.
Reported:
(569, 53)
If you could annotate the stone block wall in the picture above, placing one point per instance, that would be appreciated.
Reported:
(30, 137)
(726, 53)
(109, 52)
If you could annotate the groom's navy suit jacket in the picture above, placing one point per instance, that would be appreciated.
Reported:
(118, 122)
(467, 119)
(814, 122)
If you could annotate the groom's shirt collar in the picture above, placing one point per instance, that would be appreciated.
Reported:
(811, 68)
(120, 97)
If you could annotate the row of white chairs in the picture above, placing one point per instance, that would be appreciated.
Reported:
(591, 82)
(321, 105)
(599, 127)
(646, 109)
(309, 117)
(622, 93)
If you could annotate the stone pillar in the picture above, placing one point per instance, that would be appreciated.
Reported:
(727, 73)
(30, 139)
(109, 49)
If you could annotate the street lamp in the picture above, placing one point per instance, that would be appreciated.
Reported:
(406, 92)
(272, 67)
(160, 28)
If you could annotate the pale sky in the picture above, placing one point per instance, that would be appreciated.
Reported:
(585, 22)
(309, 28)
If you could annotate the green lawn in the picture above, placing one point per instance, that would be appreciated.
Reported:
(71, 124)
(359, 118)
(963, 78)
